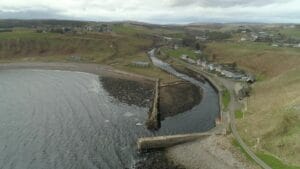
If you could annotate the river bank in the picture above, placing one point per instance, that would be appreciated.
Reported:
(215, 151)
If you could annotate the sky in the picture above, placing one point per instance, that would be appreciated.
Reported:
(155, 11)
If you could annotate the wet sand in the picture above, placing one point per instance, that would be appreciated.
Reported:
(178, 98)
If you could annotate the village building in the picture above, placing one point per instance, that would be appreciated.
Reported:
(297, 46)
(218, 68)
(187, 59)
(201, 38)
(175, 47)
(243, 39)
(184, 57)
(192, 61)
(227, 73)
(198, 52)
(210, 67)
(140, 64)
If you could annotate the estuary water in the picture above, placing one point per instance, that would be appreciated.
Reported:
(59, 120)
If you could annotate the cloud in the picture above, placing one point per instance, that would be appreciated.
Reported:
(162, 11)
(31, 14)
(223, 3)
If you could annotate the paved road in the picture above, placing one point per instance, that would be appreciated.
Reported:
(233, 106)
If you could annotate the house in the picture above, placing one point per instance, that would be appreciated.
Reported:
(140, 64)
(192, 61)
(297, 46)
(218, 68)
(187, 59)
(243, 39)
(201, 38)
(204, 64)
(237, 76)
(184, 57)
(201, 63)
(254, 37)
(227, 73)
(167, 38)
(211, 67)
(248, 78)
(198, 52)
(175, 47)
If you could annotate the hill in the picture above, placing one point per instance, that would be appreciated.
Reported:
(271, 124)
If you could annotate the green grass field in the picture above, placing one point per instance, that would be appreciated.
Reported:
(225, 99)
(127, 28)
(258, 58)
(180, 51)
(239, 114)
(117, 50)
(274, 162)
(291, 32)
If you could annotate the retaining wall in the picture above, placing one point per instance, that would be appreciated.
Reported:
(153, 121)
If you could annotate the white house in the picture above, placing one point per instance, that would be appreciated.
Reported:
(227, 73)
(191, 61)
(218, 68)
(184, 57)
(297, 46)
(201, 38)
(243, 39)
(211, 67)
(198, 52)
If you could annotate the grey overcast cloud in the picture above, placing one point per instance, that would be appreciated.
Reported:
(155, 11)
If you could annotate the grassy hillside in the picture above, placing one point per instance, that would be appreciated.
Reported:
(259, 58)
(115, 49)
(291, 32)
(272, 121)
(93, 47)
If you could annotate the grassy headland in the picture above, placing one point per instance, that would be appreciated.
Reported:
(118, 49)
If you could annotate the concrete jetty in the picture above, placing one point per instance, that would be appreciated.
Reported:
(153, 122)
(159, 142)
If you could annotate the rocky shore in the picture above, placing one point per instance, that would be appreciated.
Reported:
(178, 98)
(129, 91)
(157, 160)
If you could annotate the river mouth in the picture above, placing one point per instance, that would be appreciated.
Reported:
(61, 119)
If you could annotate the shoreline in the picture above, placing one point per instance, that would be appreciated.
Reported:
(214, 151)
(109, 72)
(97, 69)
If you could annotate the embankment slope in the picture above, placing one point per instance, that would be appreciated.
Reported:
(272, 120)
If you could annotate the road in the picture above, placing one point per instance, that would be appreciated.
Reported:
(232, 107)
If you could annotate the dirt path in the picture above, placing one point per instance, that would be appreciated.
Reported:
(233, 106)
